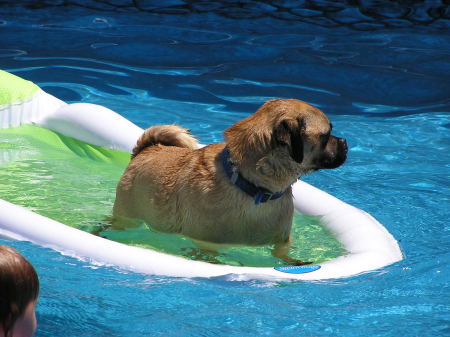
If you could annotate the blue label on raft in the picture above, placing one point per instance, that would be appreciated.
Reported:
(297, 269)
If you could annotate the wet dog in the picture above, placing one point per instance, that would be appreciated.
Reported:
(233, 193)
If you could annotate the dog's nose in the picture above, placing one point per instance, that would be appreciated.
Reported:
(343, 143)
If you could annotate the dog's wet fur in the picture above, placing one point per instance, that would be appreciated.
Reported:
(177, 187)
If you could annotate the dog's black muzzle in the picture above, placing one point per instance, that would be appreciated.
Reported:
(334, 155)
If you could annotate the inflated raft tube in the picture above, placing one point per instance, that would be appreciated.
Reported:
(368, 245)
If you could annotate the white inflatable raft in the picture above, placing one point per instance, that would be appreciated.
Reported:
(368, 245)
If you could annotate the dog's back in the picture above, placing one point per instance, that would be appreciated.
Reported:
(168, 135)
(145, 189)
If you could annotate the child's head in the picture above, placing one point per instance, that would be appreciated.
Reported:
(19, 290)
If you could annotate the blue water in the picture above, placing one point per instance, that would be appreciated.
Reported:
(381, 73)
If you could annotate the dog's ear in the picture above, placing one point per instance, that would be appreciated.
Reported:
(289, 132)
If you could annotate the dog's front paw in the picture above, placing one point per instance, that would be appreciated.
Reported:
(300, 262)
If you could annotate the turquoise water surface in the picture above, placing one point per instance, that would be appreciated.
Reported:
(380, 72)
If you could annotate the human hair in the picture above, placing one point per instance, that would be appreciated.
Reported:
(19, 285)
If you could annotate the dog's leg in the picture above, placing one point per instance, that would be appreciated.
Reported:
(121, 223)
(281, 251)
(200, 254)
(206, 251)
(101, 227)
(114, 223)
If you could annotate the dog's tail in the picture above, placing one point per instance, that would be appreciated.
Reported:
(169, 135)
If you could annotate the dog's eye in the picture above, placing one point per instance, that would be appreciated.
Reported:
(282, 143)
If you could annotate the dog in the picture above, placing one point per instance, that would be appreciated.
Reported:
(237, 192)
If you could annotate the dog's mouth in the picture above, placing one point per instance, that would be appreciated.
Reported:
(334, 155)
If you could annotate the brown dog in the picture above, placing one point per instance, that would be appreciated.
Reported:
(232, 193)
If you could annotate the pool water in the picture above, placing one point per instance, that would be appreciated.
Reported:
(75, 183)
(380, 72)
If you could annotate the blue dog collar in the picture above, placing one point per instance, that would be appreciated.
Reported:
(259, 194)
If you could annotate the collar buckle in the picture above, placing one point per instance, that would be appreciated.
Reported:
(263, 197)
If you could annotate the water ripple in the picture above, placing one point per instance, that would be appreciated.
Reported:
(238, 82)
(383, 109)
(286, 40)
(11, 52)
(172, 71)
(87, 69)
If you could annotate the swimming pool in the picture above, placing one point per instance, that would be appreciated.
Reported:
(385, 89)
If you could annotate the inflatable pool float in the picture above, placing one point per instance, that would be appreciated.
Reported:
(368, 245)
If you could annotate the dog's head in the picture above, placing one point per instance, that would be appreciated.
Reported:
(285, 137)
